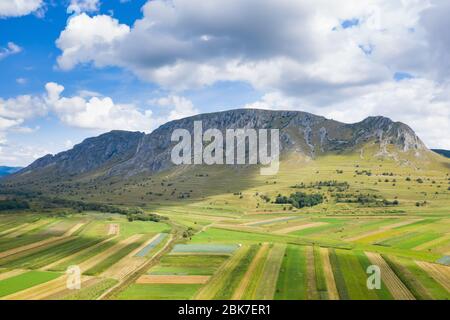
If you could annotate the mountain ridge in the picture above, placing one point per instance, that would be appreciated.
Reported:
(124, 153)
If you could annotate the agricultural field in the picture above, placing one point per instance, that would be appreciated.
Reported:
(228, 241)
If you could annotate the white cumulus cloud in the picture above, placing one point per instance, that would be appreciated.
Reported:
(336, 58)
(10, 49)
(78, 6)
(100, 113)
(300, 47)
(181, 107)
(85, 37)
(17, 8)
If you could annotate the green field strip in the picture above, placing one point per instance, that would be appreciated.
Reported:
(256, 273)
(338, 276)
(112, 259)
(434, 277)
(366, 227)
(51, 254)
(204, 248)
(409, 240)
(434, 288)
(349, 271)
(14, 222)
(317, 230)
(222, 235)
(159, 292)
(92, 292)
(327, 268)
(383, 293)
(434, 245)
(392, 288)
(311, 284)
(418, 255)
(141, 227)
(268, 282)
(11, 228)
(321, 283)
(83, 229)
(83, 256)
(39, 234)
(222, 275)
(25, 281)
(6, 226)
(28, 229)
(381, 236)
(188, 265)
(26, 239)
(272, 221)
(233, 279)
(370, 225)
(7, 244)
(408, 278)
(418, 240)
(292, 279)
(393, 241)
(58, 228)
(415, 224)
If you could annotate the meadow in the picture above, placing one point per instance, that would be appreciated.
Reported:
(229, 239)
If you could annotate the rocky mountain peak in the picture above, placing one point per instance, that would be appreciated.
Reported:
(131, 153)
(107, 149)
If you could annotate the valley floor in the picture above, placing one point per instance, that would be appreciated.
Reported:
(236, 244)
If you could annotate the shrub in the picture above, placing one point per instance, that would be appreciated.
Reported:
(13, 204)
(300, 199)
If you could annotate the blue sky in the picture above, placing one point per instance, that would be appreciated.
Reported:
(136, 64)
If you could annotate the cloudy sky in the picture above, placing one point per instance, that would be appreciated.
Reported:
(70, 69)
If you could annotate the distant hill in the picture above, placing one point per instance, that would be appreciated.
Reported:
(445, 153)
(4, 171)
